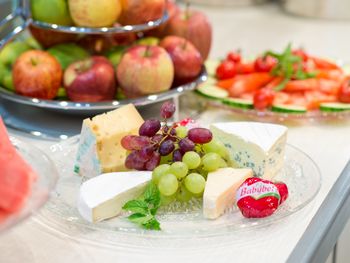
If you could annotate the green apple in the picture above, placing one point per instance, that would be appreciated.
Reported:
(6, 77)
(33, 43)
(115, 54)
(12, 51)
(68, 53)
(61, 93)
(53, 11)
(120, 95)
(3, 71)
(148, 41)
(8, 82)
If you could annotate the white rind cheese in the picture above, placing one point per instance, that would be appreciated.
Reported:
(103, 196)
(220, 190)
(100, 150)
(259, 146)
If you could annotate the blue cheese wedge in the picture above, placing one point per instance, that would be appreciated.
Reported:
(220, 190)
(255, 145)
(100, 150)
(103, 196)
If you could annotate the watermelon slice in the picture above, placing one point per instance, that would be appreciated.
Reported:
(16, 176)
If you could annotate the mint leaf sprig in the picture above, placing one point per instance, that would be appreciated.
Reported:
(145, 208)
(288, 66)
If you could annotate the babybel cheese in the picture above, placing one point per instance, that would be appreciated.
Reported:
(100, 149)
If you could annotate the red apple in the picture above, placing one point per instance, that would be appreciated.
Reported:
(37, 74)
(136, 12)
(186, 58)
(49, 38)
(194, 26)
(160, 31)
(145, 70)
(90, 80)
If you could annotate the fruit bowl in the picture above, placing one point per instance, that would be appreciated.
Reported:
(70, 107)
(46, 181)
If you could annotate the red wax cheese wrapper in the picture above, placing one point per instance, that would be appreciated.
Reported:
(257, 198)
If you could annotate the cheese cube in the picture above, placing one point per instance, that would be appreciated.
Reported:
(100, 149)
(220, 190)
(103, 196)
(259, 146)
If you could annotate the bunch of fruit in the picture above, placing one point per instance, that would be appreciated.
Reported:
(94, 68)
(97, 13)
(180, 158)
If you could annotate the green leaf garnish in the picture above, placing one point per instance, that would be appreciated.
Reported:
(289, 66)
(136, 206)
(145, 208)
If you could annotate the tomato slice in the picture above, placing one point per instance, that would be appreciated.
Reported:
(297, 98)
(315, 98)
(328, 86)
(263, 98)
(344, 92)
(281, 98)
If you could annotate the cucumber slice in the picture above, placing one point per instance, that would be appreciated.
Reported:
(239, 103)
(288, 108)
(334, 106)
(212, 92)
(211, 65)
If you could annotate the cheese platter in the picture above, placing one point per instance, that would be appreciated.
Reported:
(107, 195)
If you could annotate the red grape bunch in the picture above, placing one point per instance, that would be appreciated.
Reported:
(159, 141)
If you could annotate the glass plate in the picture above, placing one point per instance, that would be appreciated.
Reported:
(300, 173)
(47, 177)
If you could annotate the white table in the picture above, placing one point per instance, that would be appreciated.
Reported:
(254, 29)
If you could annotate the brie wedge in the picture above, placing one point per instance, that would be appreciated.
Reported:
(255, 145)
(220, 190)
(103, 196)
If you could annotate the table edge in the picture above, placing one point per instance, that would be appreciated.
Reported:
(323, 231)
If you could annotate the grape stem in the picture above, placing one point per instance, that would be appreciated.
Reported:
(166, 134)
